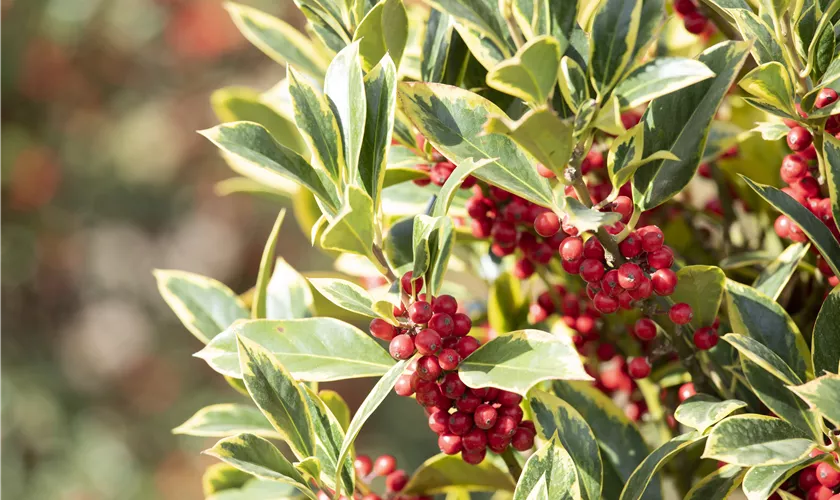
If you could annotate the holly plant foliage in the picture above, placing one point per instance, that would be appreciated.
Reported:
(595, 241)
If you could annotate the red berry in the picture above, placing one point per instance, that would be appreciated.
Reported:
(442, 323)
(609, 283)
(420, 312)
(645, 329)
(571, 250)
(474, 457)
(401, 346)
(664, 281)
(445, 304)
(808, 186)
(369, 496)
(794, 167)
(630, 276)
(808, 478)
(705, 338)
(819, 493)
(497, 442)
(407, 283)
(460, 423)
(631, 246)
(571, 267)
(523, 269)
(363, 465)
(545, 171)
(466, 346)
(827, 475)
(514, 412)
(652, 239)
(523, 439)
(624, 206)
(686, 391)
(384, 465)
(547, 224)
(604, 303)
(591, 270)
(825, 97)
(428, 368)
(592, 249)
(474, 440)
(452, 386)
(695, 22)
(449, 359)
(438, 422)
(684, 7)
(462, 324)
(681, 313)
(504, 233)
(643, 291)
(485, 416)
(449, 443)
(396, 480)
(638, 368)
(507, 398)
(468, 402)
(382, 330)
(505, 426)
(799, 138)
(782, 226)
(661, 259)
(427, 341)
(404, 387)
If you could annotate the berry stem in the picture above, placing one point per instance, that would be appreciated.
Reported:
(512, 464)
(383, 261)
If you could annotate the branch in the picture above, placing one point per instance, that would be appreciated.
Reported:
(512, 464)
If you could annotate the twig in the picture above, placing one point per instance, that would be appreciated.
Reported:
(512, 464)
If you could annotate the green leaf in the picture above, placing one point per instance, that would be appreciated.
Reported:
(555, 417)
(763, 356)
(541, 133)
(753, 314)
(204, 306)
(823, 395)
(761, 482)
(749, 440)
(224, 420)
(573, 83)
(585, 218)
(326, 25)
(313, 350)
(277, 395)
(531, 74)
(278, 40)
(637, 484)
(234, 104)
(765, 47)
(446, 473)
(436, 46)
(770, 83)
(625, 157)
(221, 476)
(481, 25)
(345, 90)
(432, 239)
(679, 122)
(772, 391)
(258, 303)
(622, 446)
(452, 120)
(288, 295)
(519, 360)
(258, 489)
(825, 343)
(329, 434)
(384, 30)
(701, 287)
(614, 31)
(309, 468)
(552, 467)
(659, 77)
(651, 21)
(771, 131)
(317, 125)
(718, 485)
(381, 95)
(453, 182)
(703, 411)
(374, 398)
(775, 276)
(507, 306)
(258, 457)
(349, 296)
(352, 230)
(831, 153)
(257, 153)
(338, 407)
(816, 231)
(824, 23)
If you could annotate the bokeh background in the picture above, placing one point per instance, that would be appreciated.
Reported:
(104, 179)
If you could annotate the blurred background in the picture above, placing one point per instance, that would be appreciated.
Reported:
(104, 179)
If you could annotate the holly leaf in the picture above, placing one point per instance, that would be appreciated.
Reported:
(530, 75)
(718, 485)
(383, 31)
(701, 287)
(825, 342)
(541, 133)
(613, 37)
(659, 77)
(445, 474)
(638, 482)
(702, 411)
(551, 468)
(823, 395)
(773, 278)
(222, 420)
(258, 304)
(751, 440)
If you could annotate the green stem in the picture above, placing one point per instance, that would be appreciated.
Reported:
(512, 464)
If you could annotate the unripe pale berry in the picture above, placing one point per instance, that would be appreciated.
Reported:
(680, 313)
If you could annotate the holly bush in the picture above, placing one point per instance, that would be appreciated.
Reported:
(564, 224)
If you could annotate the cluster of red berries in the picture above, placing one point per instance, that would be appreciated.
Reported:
(384, 466)
(467, 421)
(797, 172)
(694, 21)
(820, 481)
(509, 221)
